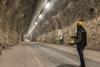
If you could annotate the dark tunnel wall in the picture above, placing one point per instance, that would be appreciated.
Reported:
(15, 16)
(64, 15)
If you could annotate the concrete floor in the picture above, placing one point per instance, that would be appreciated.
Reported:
(36, 55)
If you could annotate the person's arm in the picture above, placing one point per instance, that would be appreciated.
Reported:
(79, 38)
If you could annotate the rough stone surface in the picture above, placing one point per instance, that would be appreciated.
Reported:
(15, 16)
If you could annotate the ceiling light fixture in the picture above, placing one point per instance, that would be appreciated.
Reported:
(36, 23)
(40, 16)
(48, 5)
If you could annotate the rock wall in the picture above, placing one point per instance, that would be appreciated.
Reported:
(15, 16)
(64, 16)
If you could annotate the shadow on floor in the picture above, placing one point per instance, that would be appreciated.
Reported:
(68, 65)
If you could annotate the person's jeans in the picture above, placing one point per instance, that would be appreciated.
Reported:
(61, 41)
(80, 52)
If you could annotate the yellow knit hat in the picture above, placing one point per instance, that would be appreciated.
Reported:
(80, 23)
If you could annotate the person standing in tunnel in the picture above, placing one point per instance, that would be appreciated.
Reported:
(81, 41)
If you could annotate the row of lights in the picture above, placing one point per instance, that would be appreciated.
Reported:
(47, 7)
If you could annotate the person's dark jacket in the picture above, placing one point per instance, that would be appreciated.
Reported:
(81, 38)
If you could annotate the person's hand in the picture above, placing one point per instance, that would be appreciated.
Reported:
(71, 43)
